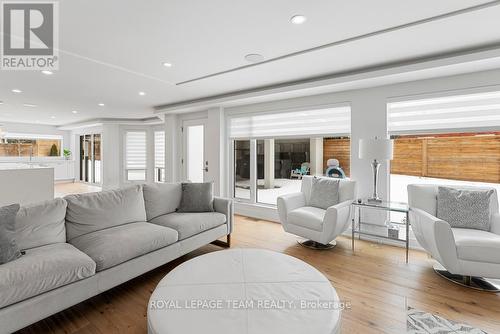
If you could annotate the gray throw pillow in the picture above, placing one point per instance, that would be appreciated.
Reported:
(464, 208)
(324, 192)
(8, 247)
(196, 197)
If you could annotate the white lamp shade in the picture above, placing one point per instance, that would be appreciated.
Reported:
(380, 149)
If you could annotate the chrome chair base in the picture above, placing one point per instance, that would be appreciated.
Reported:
(472, 282)
(316, 245)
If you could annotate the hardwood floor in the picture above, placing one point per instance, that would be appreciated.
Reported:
(375, 280)
(69, 188)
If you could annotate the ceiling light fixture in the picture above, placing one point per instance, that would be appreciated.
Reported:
(1, 102)
(17, 91)
(165, 64)
(53, 117)
(74, 111)
(254, 58)
(142, 93)
(47, 72)
(29, 105)
(101, 104)
(298, 19)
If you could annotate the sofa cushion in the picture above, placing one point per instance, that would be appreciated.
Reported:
(477, 245)
(161, 198)
(91, 212)
(118, 244)
(197, 197)
(9, 249)
(41, 224)
(42, 269)
(308, 216)
(190, 223)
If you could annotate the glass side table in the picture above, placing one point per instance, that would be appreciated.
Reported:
(363, 203)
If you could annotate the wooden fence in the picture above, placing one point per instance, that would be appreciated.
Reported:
(465, 157)
(339, 149)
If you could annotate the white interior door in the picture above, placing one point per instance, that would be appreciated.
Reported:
(195, 164)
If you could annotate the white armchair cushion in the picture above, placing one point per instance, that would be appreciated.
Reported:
(477, 245)
(308, 217)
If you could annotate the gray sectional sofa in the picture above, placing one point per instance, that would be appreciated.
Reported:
(82, 245)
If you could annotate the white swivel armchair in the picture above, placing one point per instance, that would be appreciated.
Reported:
(319, 226)
(464, 256)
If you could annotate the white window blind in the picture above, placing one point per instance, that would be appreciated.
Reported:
(319, 121)
(460, 112)
(136, 150)
(160, 149)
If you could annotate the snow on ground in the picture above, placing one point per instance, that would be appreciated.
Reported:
(268, 196)
(399, 183)
(398, 187)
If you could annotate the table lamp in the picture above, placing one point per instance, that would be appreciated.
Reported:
(375, 149)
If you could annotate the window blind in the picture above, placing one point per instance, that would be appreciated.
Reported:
(459, 112)
(136, 150)
(160, 149)
(319, 121)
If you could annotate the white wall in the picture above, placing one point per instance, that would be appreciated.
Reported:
(111, 156)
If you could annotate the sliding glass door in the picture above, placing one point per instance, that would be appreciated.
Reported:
(90, 158)
(272, 151)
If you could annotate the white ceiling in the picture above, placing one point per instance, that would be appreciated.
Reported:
(111, 50)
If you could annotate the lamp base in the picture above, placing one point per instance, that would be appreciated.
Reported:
(374, 200)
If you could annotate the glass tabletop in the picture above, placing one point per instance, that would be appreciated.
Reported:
(385, 205)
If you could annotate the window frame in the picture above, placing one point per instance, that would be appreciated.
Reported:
(125, 165)
(155, 168)
(34, 137)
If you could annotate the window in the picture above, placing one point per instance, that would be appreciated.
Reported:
(90, 158)
(445, 140)
(26, 145)
(242, 169)
(273, 151)
(159, 156)
(135, 155)
(280, 164)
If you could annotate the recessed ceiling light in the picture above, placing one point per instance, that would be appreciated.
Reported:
(53, 117)
(74, 111)
(254, 58)
(29, 105)
(1, 102)
(17, 91)
(46, 72)
(101, 104)
(166, 64)
(142, 93)
(298, 19)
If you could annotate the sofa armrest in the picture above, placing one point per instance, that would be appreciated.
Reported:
(495, 223)
(336, 219)
(436, 237)
(225, 206)
(289, 202)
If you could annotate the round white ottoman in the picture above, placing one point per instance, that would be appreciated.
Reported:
(248, 291)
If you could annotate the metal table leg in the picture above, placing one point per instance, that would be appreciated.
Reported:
(407, 235)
